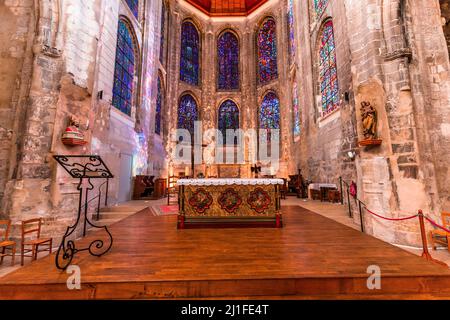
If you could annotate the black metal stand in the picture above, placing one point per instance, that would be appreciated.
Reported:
(83, 168)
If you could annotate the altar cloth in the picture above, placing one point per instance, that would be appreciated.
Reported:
(230, 203)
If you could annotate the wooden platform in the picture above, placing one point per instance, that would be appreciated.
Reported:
(312, 257)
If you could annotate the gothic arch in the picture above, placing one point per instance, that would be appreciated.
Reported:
(186, 121)
(266, 55)
(190, 71)
(125, 86)
(228, 84)
(326, 69)
(235, 120)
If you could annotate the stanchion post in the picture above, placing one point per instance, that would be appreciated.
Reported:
(349, 203)
(426, 254)
(361, 216)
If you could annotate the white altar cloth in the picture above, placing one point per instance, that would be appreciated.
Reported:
(229, 182)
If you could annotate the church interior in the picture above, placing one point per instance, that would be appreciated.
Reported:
(238, 149)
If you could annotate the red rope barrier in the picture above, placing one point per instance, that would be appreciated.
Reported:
(436, 225)
(391, 219)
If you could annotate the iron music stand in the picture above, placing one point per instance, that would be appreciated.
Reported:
(83, 168)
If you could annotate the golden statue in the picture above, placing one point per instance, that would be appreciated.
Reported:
(369, 121)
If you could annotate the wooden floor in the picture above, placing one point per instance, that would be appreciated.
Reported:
(311, 258)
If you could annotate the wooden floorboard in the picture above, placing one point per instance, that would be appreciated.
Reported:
(311, 257)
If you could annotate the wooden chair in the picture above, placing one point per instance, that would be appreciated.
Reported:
(29, 228)
(172, 189)
(439, 236)
(5, 243)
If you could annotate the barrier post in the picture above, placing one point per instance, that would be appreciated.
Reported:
(426, 254)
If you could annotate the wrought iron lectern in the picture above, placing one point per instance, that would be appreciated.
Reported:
(83, 168)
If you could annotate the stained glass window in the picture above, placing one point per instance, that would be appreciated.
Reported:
(163, 33)
(134, 6)
(269, 116)
(296, 109)
(267, 51)
(292, 45)
(124, 73)
(228, 119)
(228, 58)
(320, 6)
(329, 85)
(187, 113)
(159, 104)
(190, 54)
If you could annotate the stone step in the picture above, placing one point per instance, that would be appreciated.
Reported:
(115, 214)
(124, 208)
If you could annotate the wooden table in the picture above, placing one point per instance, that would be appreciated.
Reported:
(230, 203)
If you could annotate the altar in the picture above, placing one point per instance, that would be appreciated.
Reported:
(229, 203)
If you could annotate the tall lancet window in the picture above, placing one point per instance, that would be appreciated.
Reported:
(125, 69)
(162, 44)
(190, 54)
(159, 105)
(292, 45)
(267, 51)
(134, 7)
(320, 6)
(329, 85)
(269, 114)
(296, 110)
(228, 59)
(187, 114)
(228, 119)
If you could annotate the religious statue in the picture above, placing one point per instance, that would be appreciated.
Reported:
(73, 136)
(369, 121)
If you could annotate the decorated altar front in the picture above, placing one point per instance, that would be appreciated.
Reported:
(230, 203)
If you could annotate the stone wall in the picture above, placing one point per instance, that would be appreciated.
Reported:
(15, 69)
(322, 151)
(392, 54)
(65, 68)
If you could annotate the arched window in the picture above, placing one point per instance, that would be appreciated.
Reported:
(187, 113)
(190, 54)
(125, 69)
(267, 51)
(292, 45)
(228, 59)
(228, 119)
(320, 6)
(159, 104)
(134, 7)
(328, 79)
(296, 110)
(269, 114)
(162, 44)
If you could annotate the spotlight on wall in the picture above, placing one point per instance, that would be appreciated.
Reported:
(351, 155)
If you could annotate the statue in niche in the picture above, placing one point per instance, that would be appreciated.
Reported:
(369, 118)
(73, 136)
